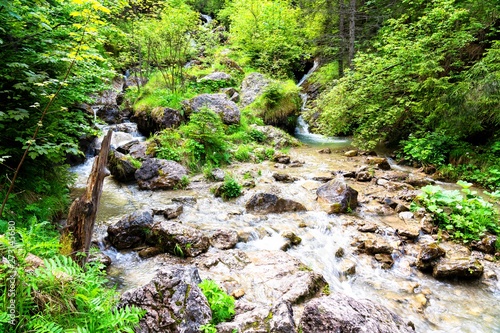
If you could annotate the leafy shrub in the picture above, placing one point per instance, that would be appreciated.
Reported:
(242, 154)
(207, 138)
(465, 217)
(221, 304)
(431, 149)
(230, 189)
(61, 297)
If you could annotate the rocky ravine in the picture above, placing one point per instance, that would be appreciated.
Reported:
(275, 291)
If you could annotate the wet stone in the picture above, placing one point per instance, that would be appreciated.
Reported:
(347, 267)
(351, 153)
(284, 178)
(385, 259)
(457, 268)
(428, 256)
(325, 151)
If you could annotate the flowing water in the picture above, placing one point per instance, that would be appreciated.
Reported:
(433, 306)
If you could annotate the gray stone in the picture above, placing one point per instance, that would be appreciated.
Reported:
(121, 166)
(284, 178)
(172, 300)
(216, 76)
(468, 268)
(228, 110)
(224, 239)
(341, 313)
(265, 203)
(337, 197)
(252, 87)
(178, 239)
(156, 174)
(131, 230)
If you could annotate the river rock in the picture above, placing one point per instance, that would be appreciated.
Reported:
(486, 245)
(375, 244)
(447, 268)
(228, 110)
(283, 177)
(428, 256)
(281, 158)
(418, 180)
(156, 174)
(218, 175)
(337, 197)
(266, 203)
(268, 277)
(252, 87)
(224, 239)
(346, 268)
(131, 230)
(121, 166)
(151, 121)
(252, 318)
(325, 151)
(341, 313)
(363, 176)
(170, 212)
(351, 153)
(172, 300)
(178, 239)
(135, 148)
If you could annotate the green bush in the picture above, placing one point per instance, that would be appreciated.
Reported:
(465, 216)
(230, 189)
(431, 149)
(221, 304)
(61, 297)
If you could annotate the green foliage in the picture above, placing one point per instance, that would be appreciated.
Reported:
(465, 216)
(431, 149)
(61, 297)
(279, 104)
(429, 69)
(230, 189)
(206, 138)
(164, 42)
(269, 34)
(243, 153)
(221, 304)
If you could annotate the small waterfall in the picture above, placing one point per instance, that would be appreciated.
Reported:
(309, 73)
(206, 18)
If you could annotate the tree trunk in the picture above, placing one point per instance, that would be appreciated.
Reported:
(352, 32)
(342, 38)
(77, 234)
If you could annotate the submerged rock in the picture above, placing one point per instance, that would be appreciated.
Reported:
(156, 174)
(265, 203)
(337, 197)
(341, 313)
(172, 300)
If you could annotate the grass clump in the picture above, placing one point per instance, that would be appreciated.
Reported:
(464, 215)
(279, 105)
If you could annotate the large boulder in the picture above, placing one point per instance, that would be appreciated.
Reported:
(173, 302)
(276, 137)
(106, 104)
(178, 239)
(121, 166)
(131, 230)
(228, 110)
(265, 203)
(337, 197)
(341, 313)
(157, 119)
(252, 87)
(156, 174)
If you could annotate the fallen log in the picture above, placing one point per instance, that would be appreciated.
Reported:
(77, 234)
